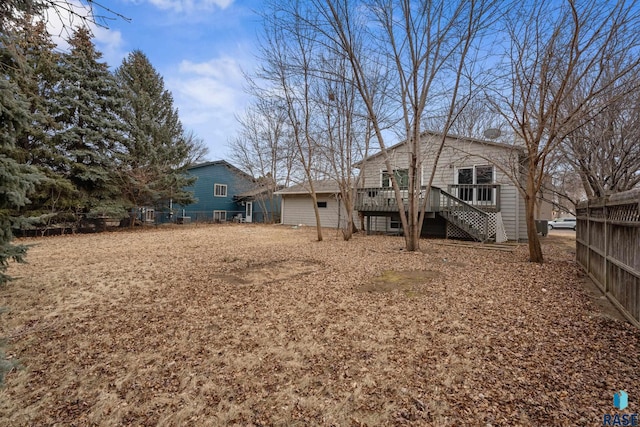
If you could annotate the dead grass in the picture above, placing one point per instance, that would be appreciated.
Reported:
(261, 325)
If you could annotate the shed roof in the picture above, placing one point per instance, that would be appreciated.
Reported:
(325, 186)
(256, 191)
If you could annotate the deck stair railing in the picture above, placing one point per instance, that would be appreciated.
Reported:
(465, 216)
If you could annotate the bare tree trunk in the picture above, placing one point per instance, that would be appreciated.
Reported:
(347, 230)
(535, 250)
(316, 211)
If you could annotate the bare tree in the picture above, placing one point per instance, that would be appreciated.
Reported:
(557, 58)
(424, 46)
(196, 147)
(263, 149)
(72, 14)
(263, 146)
(475, 116)
(403, 57)
(289, 52)
(347, 132)
(604, 150)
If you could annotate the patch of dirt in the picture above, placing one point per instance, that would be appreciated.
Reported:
(560, 240)
(411, 282)
(193, 326)
(266, 273)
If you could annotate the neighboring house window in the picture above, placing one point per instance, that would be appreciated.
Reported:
(402, 177)
(220, 190)
(220, 216)
(322, 204)
(149, 215)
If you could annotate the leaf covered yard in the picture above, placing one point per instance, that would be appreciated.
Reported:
(261, 325)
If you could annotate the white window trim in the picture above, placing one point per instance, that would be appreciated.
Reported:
(220, 219)
(474, 180)
(216, 186)
(474, 176)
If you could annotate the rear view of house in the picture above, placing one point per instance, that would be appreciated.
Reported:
(472, 195)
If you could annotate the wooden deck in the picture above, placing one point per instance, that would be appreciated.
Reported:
(383, 199)
(468, 207)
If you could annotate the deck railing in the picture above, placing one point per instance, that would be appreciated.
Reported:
(469, 217)
(383, 199)
(484, 196)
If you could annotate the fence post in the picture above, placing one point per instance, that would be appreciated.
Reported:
(588, 240)
(605, 214)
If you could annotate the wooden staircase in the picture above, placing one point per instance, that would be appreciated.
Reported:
(470, 219)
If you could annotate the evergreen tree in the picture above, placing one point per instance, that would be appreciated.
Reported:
(16, 179)
(88, 107)
(54, 194)
(157, 151)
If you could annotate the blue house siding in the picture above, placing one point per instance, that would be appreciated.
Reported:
(221, 173)
(208, 176)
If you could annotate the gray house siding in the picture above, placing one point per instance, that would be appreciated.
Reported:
(457, 153)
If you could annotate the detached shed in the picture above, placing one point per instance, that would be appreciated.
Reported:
(297, 204)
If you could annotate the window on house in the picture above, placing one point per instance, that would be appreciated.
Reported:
(395, 223)
(149, 215)
(402, 177)
(470, 181)
(484, 175)
(465, 177)
(220, 190)
(219, 216)
(322, 204)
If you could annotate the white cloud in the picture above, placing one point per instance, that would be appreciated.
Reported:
(61, 26)
(61, 23)
(209, 95)
(221, 69)
(110, 43)
(190, 5)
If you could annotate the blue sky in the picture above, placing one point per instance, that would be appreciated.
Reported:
(200, 47)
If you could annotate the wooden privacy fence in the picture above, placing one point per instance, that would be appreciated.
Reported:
(608, 248)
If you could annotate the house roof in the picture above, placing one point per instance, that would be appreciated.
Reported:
(257, 191)
(325, 186)
(224, 163)
(452, 136)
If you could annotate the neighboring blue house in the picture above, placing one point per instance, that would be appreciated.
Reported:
(225, 193)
